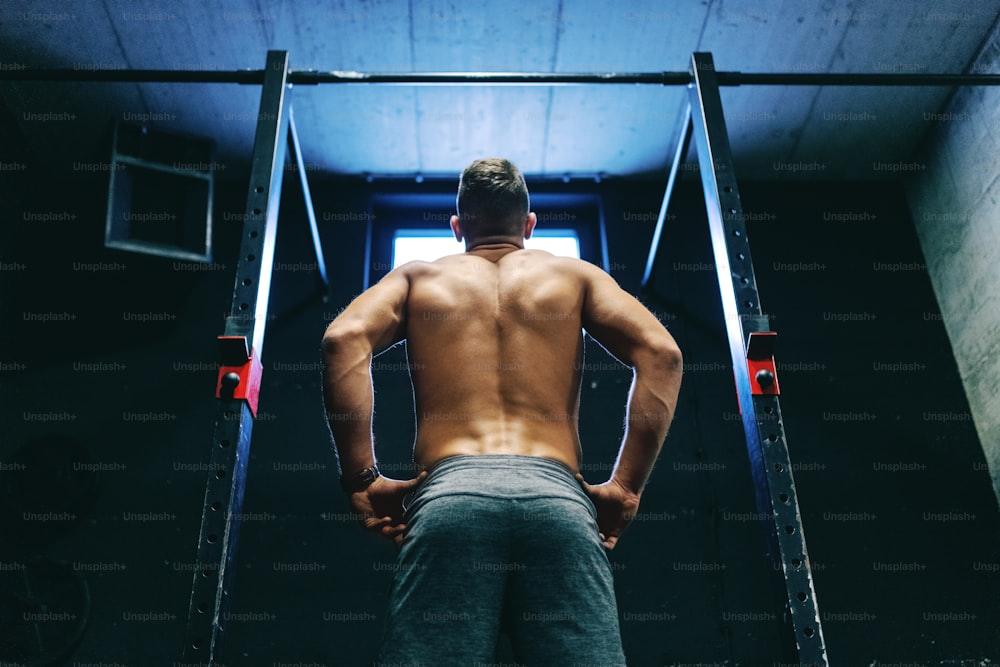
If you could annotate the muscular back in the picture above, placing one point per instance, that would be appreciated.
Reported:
(495, 344)
(495, 349)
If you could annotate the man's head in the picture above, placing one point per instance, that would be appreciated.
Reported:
(492, 203)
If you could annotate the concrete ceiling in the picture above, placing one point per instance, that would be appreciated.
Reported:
(614, 129)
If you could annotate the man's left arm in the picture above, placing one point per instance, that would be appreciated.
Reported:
(373, 322)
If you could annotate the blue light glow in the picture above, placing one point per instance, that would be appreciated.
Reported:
(428, 244)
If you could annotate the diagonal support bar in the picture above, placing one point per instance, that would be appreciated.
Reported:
(681, 150)
(802, 637)
(244, 333)
(296, 149)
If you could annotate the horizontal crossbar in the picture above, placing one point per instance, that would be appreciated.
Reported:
(312, 77)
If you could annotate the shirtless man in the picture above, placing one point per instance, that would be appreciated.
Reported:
(499, 529)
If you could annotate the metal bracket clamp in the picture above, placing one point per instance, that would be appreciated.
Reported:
(240, 372)
(760, 363)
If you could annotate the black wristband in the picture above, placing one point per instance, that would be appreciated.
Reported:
(360, 481)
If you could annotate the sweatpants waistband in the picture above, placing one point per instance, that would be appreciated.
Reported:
(502, 476)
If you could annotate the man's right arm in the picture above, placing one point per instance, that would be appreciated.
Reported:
(626, 329)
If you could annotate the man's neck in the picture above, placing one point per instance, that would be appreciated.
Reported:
(495, 243)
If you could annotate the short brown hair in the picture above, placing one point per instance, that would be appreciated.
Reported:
(492, 198)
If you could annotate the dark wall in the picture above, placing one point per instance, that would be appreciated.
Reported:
(107, 400)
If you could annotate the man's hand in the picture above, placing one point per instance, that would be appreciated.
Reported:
(616, 507)
(381, 505)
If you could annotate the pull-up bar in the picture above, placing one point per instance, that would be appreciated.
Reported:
(313, 77)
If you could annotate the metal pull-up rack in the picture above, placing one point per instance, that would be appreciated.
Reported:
(748, 333)
(748, 330)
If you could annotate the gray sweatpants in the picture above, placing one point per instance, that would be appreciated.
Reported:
(501, 542)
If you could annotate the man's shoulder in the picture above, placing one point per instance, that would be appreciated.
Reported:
(461, 264)
(547, 259)
(415, 268)
(573, 265)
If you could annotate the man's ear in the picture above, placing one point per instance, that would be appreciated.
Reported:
(456, 228)
(529, 224)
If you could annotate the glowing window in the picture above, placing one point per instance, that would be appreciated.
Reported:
(431, 244)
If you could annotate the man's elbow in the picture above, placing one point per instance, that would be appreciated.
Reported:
(662, 354)
(341, 335)
(670, 353)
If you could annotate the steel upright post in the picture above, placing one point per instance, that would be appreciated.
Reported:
(751, 347)
(239, 376)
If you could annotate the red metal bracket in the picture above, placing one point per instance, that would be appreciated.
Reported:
(240, 371)
(760, 363)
